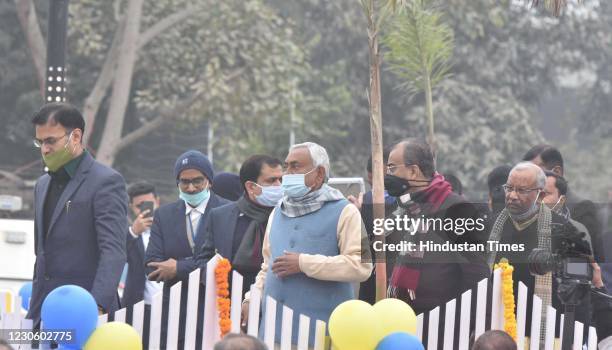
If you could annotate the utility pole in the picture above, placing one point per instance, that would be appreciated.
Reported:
(292, 114)
(56, 51)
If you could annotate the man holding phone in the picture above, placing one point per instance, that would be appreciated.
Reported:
(143, 202)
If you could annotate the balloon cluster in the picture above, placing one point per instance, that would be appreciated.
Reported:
(388, 325)
(73, 308)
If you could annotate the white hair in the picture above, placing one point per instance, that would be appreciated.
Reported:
(318, 154)
(540, 175)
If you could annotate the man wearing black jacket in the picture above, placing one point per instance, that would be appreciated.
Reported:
(582, 210)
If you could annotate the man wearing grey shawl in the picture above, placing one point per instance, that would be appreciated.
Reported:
(312, 248)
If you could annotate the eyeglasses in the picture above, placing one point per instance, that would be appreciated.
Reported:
(391, 168)
(196, 181)
(49, 141)
(519, 191)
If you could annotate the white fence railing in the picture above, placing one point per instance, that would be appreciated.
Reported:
(11, 317)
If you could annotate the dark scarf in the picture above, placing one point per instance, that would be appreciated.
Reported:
(427, 201)
(248, 256)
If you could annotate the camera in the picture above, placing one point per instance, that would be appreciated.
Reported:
(570, 263)
(569, 259)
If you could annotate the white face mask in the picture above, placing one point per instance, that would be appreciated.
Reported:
(554, 207)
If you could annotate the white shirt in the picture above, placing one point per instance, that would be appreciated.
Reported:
(195, 214)
(151, 287)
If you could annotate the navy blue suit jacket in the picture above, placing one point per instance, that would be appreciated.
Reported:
(169, 240)
(169, 237)
(218, 234)
(135, 280)
(85, 244)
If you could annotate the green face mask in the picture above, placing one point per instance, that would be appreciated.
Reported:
(59, 158)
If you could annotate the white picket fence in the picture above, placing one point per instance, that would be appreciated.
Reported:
(12, 317)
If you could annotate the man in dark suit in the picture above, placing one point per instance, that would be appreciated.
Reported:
(143, 201)
(177, 228)
(236, 230)
(582, 210)
(80, 214)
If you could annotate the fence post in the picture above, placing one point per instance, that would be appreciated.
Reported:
(102, 319)
(120, 315)
(155, 321)
(578, 335)
(521, 316)
(497, 306)
(211, 332)
(286, 328)
(592, 339)
(481, 307)
(138, 317)
(193, 296)
(464, 327)
(320, 335)
(449, 324)
(270, 322)
(303, 332)
(174, 314)
(420, 321)
(236, 304)
(432, 330)
(551, 319)
(536, 318)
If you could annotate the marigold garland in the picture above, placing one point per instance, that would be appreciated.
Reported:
(508, 297)
(223, 302)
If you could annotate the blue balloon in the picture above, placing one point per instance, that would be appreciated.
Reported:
(25, 292)
(400, 341)
(70, 308)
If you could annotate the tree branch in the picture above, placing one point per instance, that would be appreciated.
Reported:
(167, 115)
(12, 177)
(31, 29)
(161, 119)
(165, 23)
(105, 78)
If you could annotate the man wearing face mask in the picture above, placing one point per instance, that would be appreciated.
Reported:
(313, 243)
(425, 278)
(80, 214)
(236, 230)
(554, 197)
(177, 229)
(527, 220)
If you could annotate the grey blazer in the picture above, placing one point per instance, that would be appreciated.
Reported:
(85, 245)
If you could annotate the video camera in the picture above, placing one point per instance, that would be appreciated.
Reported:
(570, 263)
(570, 258)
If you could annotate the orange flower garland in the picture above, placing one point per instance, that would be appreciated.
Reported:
(508, 297)
(223, 302)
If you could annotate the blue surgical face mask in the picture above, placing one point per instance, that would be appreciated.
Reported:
(195, 199)
(294, 185)
(270, 195)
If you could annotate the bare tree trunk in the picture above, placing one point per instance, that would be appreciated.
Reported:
(105, 78)
(122, 86)
(31, 29)
(377, 148)
(107, 74)
(431, 136)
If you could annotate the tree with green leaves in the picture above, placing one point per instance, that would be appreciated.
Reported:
(175, 62)
(420, 47)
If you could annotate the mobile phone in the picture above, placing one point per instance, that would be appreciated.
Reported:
(147, 205)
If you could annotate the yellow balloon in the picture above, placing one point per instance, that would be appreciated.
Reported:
(353, 325)
(114, 335)
(395, 316)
